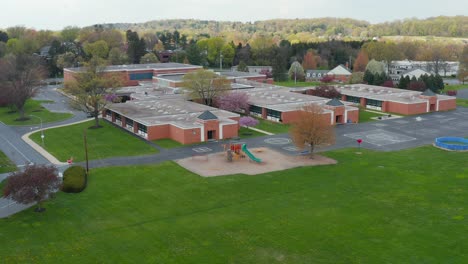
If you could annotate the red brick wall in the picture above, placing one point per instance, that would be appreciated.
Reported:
(445, 105)
(290, 117)
(157, 132)
(184, 136)
(230, 131)
(407, 109)
(353, 116)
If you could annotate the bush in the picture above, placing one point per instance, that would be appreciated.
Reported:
(452, 92)
(74, 179)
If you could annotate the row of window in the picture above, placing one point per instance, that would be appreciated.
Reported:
(141, 76)
(129, 123)
(353, 99)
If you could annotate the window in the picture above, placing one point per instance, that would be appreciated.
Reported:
(374, 104)
(142, 131)
(255, 110)
(273, 115)
(353, 99)
(129, 123)
(108, 114)
(141, 76)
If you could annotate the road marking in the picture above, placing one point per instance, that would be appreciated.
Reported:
(202, 149)
(16, 149)
(278, 141)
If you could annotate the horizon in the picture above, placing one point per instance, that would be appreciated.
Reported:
(69, 12)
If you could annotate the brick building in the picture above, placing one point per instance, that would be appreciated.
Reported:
(134, 73)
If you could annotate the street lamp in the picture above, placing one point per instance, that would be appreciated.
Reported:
(220, 61)
(42, 130)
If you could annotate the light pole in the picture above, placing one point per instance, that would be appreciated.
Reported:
(220, 61)
(42, 130)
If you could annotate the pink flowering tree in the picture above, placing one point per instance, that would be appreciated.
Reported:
(234, 102)
(247, 121)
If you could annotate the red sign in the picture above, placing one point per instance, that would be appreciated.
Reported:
(359, 141)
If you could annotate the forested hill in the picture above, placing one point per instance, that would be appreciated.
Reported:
(304, 30)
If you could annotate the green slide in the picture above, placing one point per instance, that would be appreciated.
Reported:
(251, 156)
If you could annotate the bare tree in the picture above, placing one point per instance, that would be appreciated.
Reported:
(206, 85)
(35, 184)
(91, 87)
(20, 77)
(312, 128)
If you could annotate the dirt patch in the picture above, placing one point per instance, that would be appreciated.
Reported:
(216, 164)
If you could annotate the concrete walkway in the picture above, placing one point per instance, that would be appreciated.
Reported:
(261, 131)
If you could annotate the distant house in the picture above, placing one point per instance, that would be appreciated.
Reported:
(44, 51)
(445, 68)
(340, 73)
(415, 73)
(255, 69)
(314, 75)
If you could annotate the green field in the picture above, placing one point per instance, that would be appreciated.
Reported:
(105, 142)
(366, 116)
(167, 143)
(6, 165)
(455, 87)
(32, 107)
(378, 207)
(462, 102)
(272, 127)
(248, 133)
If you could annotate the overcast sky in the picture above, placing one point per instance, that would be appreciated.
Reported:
(56, 14)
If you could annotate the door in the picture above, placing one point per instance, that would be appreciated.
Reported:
(211, 134)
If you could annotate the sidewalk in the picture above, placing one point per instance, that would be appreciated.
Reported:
(261, 131)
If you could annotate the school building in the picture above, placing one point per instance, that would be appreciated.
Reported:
(280, 105)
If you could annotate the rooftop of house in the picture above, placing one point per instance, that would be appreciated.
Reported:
(139, 67)
(174, 110)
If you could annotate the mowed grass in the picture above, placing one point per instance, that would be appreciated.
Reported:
(6, 165)
(377, 207)
(32, 107)
(105, 142)
(272, 127)
(366, 116)
(167, 143)
(456, 87)
(462, 102)
(249, 133)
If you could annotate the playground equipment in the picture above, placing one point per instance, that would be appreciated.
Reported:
(249, 154)
(452, 143)
(238, 151)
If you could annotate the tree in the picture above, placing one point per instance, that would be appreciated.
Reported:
(325, 91)
(278, 63)
(375, 67)
(368, 77)
(194, 54)
(312, 128)
(149, 58)
(36, 183)
(20, 77)
(296, 72)
(356, 77)
(234, 101)
(90, 87)
(205, 85)
(463, 68)
(404, 82)
(66, 60)
(327, 79)
(417, 86)
(3, 36)
(309, 62)
(242, 67)
(70, 34)
(361, 62)
(388, 83)
(117, 57)
(98, 49)
(248, 121)
(136, 46)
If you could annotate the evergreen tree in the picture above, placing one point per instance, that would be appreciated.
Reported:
(136, 47)
(404, 82)
(368, 77)
(194, 54)
(439, 82)
(242, 67)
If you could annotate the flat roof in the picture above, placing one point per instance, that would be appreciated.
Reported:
(381, 93)
(281, 99)
(238, 74)
(172, 109)
(139, 67)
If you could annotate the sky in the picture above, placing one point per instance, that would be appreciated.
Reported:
(56, 14)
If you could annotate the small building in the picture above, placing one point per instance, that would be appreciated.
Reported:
(134, 73)
(415, 73)
(255, 69)
(340, 73)
(315, 75)
(172, 116)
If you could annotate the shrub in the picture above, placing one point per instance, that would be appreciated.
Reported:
(74, 179)
(451, 92)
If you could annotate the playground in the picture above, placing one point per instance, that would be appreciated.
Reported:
(248, 161)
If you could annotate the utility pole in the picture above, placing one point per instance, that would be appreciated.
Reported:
(220, 61)
(86, 151)
(42, 130)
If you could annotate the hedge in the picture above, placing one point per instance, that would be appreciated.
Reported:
(74, 179)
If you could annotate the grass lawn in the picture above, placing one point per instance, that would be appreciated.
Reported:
(455, 87)
(32, 107)
(6, 165)
(167, 143)
(272, 127)
(462, 102)
(378, 207)
(249, 133)
(365, 116)
(105, 142)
